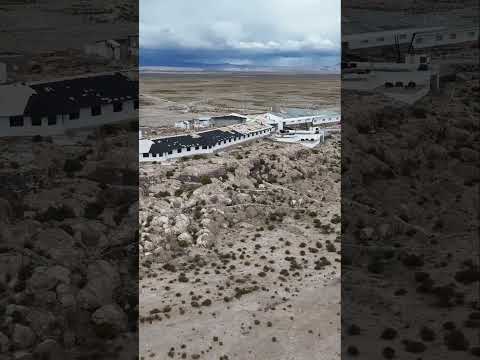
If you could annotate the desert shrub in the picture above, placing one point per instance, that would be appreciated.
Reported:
(93, 210)
(162, 194)
(56, 213)
(72, 165)
(419, 113)
(178, 192)
(204, 180)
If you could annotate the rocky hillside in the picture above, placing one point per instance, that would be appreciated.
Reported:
(253, 232)
(68, 246)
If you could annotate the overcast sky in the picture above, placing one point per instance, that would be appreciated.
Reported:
(294, 33)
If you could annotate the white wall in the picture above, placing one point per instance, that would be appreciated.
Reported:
(64, 123)
(424, 38)
(200, 151)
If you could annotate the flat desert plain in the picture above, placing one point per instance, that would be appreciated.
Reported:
(169, 97)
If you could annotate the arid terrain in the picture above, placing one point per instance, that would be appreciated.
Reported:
(68, 246)
(166, 97)
(410, 265)
(239, 251)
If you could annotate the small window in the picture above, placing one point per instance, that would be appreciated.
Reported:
(96, 110)
(154, 155)
(471, 34)
(365, 41)
(453, 36)
(189, 149)
(117, 106)
(52, 119)
(204, 146)
(36, 121)
(197, 147)
(381, 39)
(179, 151)
(419, 40)
(439, 37)
(74, 115)
(135, 104)
(170, 152)
(145, 155)
(16, 121)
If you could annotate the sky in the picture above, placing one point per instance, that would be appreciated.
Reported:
(294, 34)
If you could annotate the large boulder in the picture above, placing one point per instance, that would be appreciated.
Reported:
(49, 349)
(23, 337)
(4, 343)
(181, 223)
(58, 245)
(109, 320)
(44, 278)
(102, 279)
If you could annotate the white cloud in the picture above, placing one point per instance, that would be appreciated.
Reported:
(249, 25)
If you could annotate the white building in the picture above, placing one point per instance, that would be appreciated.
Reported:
(205, 142)
(309, 138)
(422, 37)
(280, 121)
(108, 49)
(49, 108)
(211, 121)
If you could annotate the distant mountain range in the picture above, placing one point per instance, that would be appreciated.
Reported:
(226, 67)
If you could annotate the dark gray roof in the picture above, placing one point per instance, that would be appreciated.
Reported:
(66, 96)
(206, 138)
(227, 117)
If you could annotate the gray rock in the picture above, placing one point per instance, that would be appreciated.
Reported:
(47, 278)
(5, 210)
(49, 349)
(59, 245)
(10, 265)
(23, 355)
(4, 343)
(40, 320)
(109, 320)
(23, 337)
(185, 239)
(103, 279)
(65, 295)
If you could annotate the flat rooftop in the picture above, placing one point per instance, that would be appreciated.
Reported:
(203, 138)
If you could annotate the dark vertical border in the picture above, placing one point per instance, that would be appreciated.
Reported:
(68, 202)
(410, 177)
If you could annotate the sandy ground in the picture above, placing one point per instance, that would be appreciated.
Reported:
(305, 320)
(166, 98)
(411, 265)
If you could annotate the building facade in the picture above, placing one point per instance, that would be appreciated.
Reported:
(51, 108)
(205, 142)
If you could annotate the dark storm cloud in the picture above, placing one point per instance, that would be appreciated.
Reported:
(267, 33)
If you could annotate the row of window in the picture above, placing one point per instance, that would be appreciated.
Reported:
(18, 120)
(205, 147)
(419, 40)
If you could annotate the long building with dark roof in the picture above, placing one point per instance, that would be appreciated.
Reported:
(52, 107)
(204, 142)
